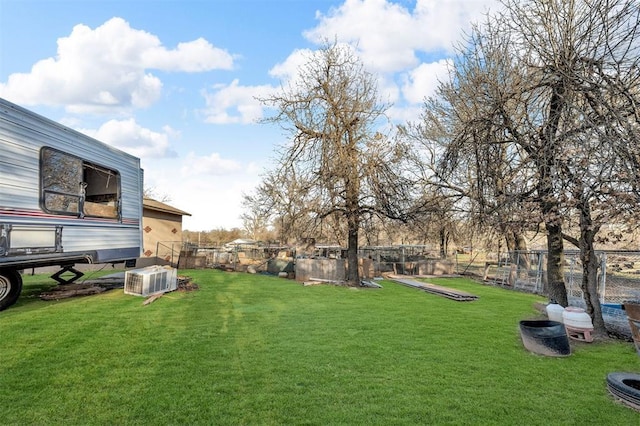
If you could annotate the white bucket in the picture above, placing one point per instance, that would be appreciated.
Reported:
(576, 318)
(554, 312)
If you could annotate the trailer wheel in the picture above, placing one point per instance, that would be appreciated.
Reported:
(10, 287)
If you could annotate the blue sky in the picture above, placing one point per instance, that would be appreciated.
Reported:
(174, 82)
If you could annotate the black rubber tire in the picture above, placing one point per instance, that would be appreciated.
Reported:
(10, 287)
(545, 337)
(626, 387)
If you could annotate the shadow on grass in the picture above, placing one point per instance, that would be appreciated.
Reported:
(33, 285)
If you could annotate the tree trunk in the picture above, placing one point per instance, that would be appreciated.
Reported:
(444, 243)
(511, 244)
(555, 264)
(353, 275)
(548, 201)
(518, 256)
(517, 247)
(590, 266)
(555, 288)
(352, 212)
(589, 285)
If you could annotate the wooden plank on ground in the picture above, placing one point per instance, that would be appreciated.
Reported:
(447, 292)
(152, 298)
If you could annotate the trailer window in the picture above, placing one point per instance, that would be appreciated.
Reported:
(74, 186)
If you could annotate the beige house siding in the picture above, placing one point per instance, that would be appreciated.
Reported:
(162, 232)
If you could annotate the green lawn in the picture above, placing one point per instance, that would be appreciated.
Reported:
(257, 350)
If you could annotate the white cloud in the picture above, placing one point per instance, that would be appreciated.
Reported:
(390, 39)
(424, 79)
(211, 165)
(388, 89)
(234, 103)
(108, 67)
(195, 56)
(374, 26)
(208, 187)
(219, 203)
(405, 114)
(389, 36)
(130, 137)
(289, 69)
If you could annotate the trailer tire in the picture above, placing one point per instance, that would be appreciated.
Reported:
(10, 287)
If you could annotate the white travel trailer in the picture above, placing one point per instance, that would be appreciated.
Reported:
(65, 198)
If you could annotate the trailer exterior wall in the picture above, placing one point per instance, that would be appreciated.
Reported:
(102, 240)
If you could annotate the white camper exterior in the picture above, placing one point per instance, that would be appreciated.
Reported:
(65, 198)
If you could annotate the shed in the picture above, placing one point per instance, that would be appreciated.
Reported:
(162, 232)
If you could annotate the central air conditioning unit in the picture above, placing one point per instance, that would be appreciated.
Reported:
(150, 280)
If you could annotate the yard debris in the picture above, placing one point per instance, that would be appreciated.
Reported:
(99, 285)
(185, 284)
(369, 284)
(318, 281)
(72, 290)
(152, 298)
(447, 292)
(84, 288)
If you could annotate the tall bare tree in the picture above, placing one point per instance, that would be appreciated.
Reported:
(466, 153)
(333, 113)
(542, 107)
(587, 54)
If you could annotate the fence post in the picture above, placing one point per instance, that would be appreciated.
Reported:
(539, 273)
(543, 275)
(603, 276)
(512, 277)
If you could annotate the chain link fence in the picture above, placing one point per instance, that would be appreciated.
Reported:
(406, 260)
(618, 278)
(618, 275)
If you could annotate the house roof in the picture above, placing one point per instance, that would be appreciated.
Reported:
(240, 241)
(151, 204)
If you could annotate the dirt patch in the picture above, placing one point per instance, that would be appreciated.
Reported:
(87, 288)
(72, 290)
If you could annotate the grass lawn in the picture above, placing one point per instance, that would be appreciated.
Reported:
(258, 350)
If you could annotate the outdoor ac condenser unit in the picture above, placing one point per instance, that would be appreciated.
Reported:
(150, 280)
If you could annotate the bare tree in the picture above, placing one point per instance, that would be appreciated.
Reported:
(256, 225)
(467, 155)
(542, 108)
(152, 192)
(214, 237)
(286, 204)
(587, 55)
(345, 167)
